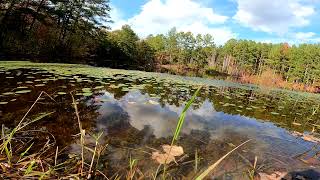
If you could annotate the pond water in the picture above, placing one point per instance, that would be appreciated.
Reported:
(138, 114)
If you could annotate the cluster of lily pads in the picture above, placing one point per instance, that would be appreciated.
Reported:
(279, 106)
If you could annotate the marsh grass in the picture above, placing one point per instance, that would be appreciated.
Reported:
(43, 164)
(183, 116)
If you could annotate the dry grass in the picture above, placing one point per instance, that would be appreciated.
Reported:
(271, 79)
(18, 162)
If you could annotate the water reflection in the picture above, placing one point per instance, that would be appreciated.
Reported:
(138, 116)
(142, 117)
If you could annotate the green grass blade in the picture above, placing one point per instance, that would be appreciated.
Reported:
(207, 172)
(183, 116)
(22, 154)
(41, 116)
(30, 167)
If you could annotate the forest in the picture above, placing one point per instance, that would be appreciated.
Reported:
(77, 32)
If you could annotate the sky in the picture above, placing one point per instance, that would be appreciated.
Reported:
(271, 21)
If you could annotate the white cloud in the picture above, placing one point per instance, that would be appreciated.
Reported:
(159, 16)
(273, 16)
(293, 38)
(117, 18)
(304, 35)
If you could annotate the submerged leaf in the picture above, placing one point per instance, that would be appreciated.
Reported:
(170, 152)
(162, 158)
(173, 150)
(274, 176)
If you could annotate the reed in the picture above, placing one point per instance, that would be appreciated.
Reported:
(213, 166)
(183, 116)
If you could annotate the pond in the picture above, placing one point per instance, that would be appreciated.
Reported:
(137, 113)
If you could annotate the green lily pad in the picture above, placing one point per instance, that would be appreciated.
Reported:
(3, 103)
(8, 93)
(86, 89)
(98, 87)
(23, 91)
(22, 87)
(87, 94)
(39, 85)
(61, 93)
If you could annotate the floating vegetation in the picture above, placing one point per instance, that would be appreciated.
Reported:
(23, 91)
(8, 93)
(22, 87)
(3, 103)
(86, 89)
(87, 94)
(153, 102)
(61, 93)
(98, 87)
(39, 85)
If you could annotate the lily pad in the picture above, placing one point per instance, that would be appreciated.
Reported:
(23, 91)
(98, 87)
(8, 93)
(39, 85)
(22, 87)
(87, 94)
(86, 89)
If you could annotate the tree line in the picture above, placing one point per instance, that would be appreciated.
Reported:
(72, 31)
(296, 63)
(75, 31)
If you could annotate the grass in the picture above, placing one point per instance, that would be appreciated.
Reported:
(31, 165)
(183, 116)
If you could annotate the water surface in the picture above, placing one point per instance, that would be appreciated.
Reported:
(138, 114)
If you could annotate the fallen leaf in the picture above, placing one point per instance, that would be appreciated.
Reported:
(307, 137)
(170, 152)
(173, 150)
(310, 138)
(162, 158)
(274, 176)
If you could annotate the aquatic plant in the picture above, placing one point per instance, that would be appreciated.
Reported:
(183, 116)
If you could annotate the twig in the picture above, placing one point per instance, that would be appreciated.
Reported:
(81, 132)
(56, 156)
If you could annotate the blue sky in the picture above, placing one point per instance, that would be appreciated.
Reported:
(293, 21)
